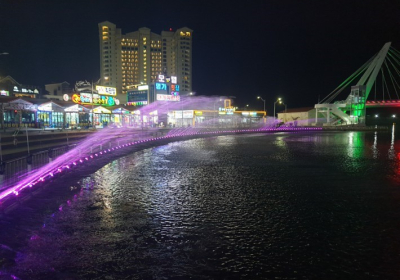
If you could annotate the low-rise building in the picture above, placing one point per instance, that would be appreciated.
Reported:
(56, 91)
(298, 116)
(11, 88)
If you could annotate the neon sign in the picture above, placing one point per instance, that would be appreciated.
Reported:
(161, 78)
(174, 87)
(86, 98)
(166, 97)
(139, 103)
(228, 111)
(161, 86)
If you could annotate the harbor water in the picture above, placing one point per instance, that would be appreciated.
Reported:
(307, 205)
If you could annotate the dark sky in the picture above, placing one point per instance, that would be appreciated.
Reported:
(294, 49)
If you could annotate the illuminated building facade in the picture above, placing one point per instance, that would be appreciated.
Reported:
(128, 60)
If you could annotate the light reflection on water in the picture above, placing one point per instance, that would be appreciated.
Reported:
(290, 206)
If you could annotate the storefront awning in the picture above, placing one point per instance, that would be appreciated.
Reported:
(120, 111)
(76, 109)
(50, 107)
(17, 104)
(101, 110)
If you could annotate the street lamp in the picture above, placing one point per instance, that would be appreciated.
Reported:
(277, 101)
(259, 97)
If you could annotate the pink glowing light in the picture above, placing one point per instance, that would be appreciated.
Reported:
(36, 179)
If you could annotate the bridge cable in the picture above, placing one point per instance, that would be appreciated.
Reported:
(395, 55)
(395, 68)
(345, 83)
(394, 83)
(386, 85)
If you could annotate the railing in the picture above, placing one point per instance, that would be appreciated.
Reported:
(14, 170)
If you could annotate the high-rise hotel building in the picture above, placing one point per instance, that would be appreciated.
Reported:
(138, 57)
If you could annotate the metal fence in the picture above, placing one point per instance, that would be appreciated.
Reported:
(16, 169)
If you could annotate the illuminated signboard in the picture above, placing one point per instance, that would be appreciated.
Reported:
(137, 97)
(120, 111)
(101, 110)
(140, 103)
(4, 93)
(143, 87)
(86, 98)
(161, 78)
(174, 80)
(252, 114)
(161, 86)
(106, 90)
(24, 90)
(174, 87)
(228, 111)
(166, 97)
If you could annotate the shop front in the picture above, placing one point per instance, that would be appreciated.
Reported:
(250, 119)
(121, 117)
(153, 118)
(136, 118)
(17, 113)
(101, 116)
(77, 116)
(182, 118)
(142, 119)
(50, 115)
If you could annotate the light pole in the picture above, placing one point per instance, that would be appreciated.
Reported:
(277, 101)
(259, 97)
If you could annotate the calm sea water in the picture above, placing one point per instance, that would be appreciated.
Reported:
(322, 205)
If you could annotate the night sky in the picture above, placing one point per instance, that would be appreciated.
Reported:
(294, 49)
